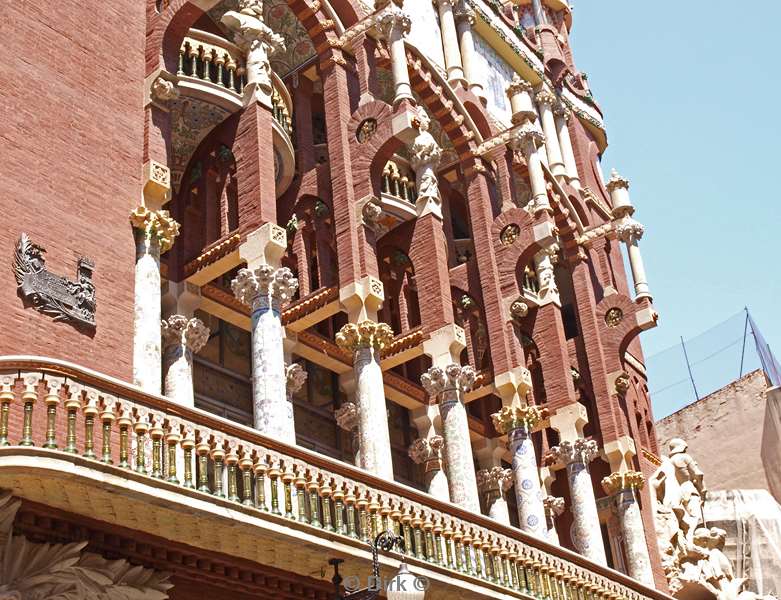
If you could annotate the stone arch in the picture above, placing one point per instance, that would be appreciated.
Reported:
(312, 244)
(520, 252)
(620, 321)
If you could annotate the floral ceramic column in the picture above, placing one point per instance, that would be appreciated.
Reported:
(585, 532)
(493, 483)
(182, 338)
(155, 232)
(518, 422)
(428, 452)
(623, 487)
(448, 386)
(264, 290)
(365, 341)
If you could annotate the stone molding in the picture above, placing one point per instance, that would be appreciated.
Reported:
(510, 418)
(265, 281)
(190, 333)
(452, 378)
(158, 223)
(618, 482)
(581, 450)
(367, 334)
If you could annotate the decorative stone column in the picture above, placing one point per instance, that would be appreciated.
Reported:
(347, 418)
(544, 265)
(154, 232)
(493, 483)
(539, 12)
(465, 20)
(546, 101)
(425, 156)
(518, 422)
(365, 341)
(628, 231)
(394, 25)
(554, 507)
(182, 338)
(258, 42)
(528, 140)
(585, 532)
(563, 114)
(448, 386)
(447, 24)
(264, 290)
(428, 452)
(623, 488)
(521, 106)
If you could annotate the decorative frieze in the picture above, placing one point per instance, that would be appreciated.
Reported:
(54, 295)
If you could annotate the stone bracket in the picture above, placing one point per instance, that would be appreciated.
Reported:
(264, 246)
(445, 345)
(362, 299)
(157, 185)
(569, 421)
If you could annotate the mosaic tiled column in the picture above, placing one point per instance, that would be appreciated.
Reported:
(347, 418)
(518, 422)
(182, 337)
(622, 487)
(493, 484)
(154, 232)
(295, 377)
(264, 290)
(554, 507)
(365, 341)
(428, 452)
(448, 385)
(585, 532)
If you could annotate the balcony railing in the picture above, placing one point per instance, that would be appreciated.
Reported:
(76, 415)
(398, 180)
(207, 57)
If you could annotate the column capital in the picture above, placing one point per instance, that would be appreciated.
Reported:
(628, 230)
(366, 334)
(554, 505)
(616, 182)
(158, 223)
(561, 110)
(511, 418)
(424, 450)
(527, 138)
(296, 376)
(518, 85)
(579, 451)
(495, 479)
(265, 281)
(347, 416)
(453, 377)
(465, 13)
(190, 333)
(618, 482)
(393, 18)
(545, 98)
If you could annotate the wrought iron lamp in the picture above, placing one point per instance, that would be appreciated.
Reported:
(404, 586)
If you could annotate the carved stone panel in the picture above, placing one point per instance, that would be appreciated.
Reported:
(51, 294)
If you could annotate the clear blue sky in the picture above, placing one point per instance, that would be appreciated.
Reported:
(689, 91)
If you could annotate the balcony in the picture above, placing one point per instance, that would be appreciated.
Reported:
(211, 69)
(398, 190)
(91, 445)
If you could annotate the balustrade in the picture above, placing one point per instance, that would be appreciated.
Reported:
(398, 180)
(66, 411)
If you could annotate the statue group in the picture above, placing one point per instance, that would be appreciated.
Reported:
(692, 553)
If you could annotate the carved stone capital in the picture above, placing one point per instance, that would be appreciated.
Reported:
(496, 479)
(424, 450)
(264, 282)
(616, 182)
(452, 378)
(156, 223)
(517, 86)
(562, 111)
(618, 482)
(391, 19)
(190, 333)
(527, 138)
(347, 416)
(628, 230)
(545, 98)
(367, 334)
(516, 417)
(465, 13)
(296, 376)
(554, 506)
(580, 450)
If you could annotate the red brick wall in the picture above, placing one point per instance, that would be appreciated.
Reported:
(72, 139)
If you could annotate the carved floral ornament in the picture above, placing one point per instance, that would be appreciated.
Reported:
(622, 383)
(579, 451)
(509, 234)
(618, 482)
(164, 90)
(264, 282)
(51, 294)
(510, 418)
(190, 333)
(424, 450)
(453, 377)
(494, 480)
(613, 317)
(157, 223)
(296, 377)
(554, 506)
(367, 334)
(65, 571)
